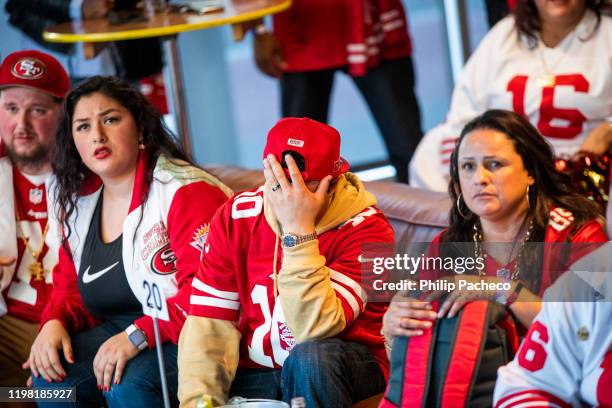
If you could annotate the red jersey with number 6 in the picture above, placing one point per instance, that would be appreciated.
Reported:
(566, 357)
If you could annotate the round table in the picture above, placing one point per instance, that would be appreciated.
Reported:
(167, 25)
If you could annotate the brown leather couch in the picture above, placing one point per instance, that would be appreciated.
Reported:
(416, 215)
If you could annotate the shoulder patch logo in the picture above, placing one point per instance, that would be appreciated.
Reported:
(199, 237)
(36, 195)
(560, 219)
(164, 261)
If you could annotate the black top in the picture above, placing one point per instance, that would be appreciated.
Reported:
(102, 281)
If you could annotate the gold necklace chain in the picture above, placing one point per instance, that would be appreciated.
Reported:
(548, 78)
(36, 269)
(477, 237)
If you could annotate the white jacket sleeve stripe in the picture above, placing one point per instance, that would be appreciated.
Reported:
(349, 297)
(201, 286)
(210, 301)
(346, 281)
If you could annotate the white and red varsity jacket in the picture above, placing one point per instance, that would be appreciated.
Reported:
(172, 225)
(566, 358)
(324, 34)
(565, 92)
(26, 297)
(236, 281)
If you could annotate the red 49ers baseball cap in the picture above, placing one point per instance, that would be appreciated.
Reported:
(34, 69)
(317, 142)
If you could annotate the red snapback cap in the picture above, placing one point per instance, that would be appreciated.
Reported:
(317, 142)
(34, 69)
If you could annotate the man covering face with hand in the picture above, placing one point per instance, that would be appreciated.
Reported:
(278, 309)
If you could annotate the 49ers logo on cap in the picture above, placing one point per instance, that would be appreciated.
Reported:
(29, 68)
(164, 261)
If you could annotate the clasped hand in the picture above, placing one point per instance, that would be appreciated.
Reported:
(457, 298)
(108, 365)
(408, 316)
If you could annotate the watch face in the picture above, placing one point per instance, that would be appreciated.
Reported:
(136, 338)
(289, 240)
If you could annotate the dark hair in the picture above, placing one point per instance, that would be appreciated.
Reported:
(550, 188)
(71, 172)
(527, 18)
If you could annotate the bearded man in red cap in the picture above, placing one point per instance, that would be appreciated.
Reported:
(32, 87)
(278, 308)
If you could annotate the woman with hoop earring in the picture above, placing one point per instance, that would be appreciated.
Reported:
(507, 196)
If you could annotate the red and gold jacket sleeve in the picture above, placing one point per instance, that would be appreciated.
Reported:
(331, 291)
(210, 342)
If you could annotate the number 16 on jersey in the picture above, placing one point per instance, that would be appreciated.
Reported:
(154, 301)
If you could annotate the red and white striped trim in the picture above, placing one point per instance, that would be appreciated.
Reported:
(201, 286)
(349, 290)
(214, 302)
(446, 149)
(357, 59)
(394, 25)
(356, 48)
(391, 20)
(348, 296)
(531, 398)
(375, 39)
(390, 15)
(359, 52)
(218, 298)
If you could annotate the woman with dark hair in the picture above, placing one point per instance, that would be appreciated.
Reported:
(506, 197)
(549, 62)
(134, 208)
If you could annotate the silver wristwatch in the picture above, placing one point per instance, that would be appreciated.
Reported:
(136, 337)
(290, 240)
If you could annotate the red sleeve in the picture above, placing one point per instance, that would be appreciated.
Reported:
(215, 291)
(189, 216)
(591, 231)
(351, 278)
(66, 304)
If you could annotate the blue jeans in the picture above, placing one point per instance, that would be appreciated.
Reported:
(140, 384)
(327, 373)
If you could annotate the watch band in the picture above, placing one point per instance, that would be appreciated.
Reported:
(290, 240)
(137, 337)
(306, 238)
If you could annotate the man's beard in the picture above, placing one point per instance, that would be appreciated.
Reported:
(36, 158)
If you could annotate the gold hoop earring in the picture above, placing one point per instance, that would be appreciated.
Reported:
(459, 206)
(527, 196)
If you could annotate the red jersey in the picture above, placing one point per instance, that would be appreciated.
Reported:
(28, 294)
(324, 34)
(236, 283)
